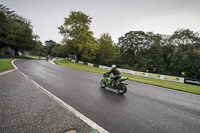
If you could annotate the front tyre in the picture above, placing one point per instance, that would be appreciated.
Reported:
(121, 88)
(102, 83)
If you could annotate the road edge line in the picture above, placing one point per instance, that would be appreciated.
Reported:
(65, 105)
(14, 64)
(7, 71)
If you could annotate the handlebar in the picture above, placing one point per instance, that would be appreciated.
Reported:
(106, 74)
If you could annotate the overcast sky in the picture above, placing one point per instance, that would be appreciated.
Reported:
(115, 17)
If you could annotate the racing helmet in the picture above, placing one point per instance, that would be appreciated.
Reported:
(113, 66)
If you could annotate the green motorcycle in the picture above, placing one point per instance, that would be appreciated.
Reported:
(119, 86)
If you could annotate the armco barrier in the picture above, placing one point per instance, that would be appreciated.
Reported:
(192, 81)
(102, 67)
(80, 62)
(154, 75)
(85, 63)
(151, 75)
(125, 70)
(105, 67)
(90, 64)
(173, 78)
(108, 68)
(140, 73)
(95, 65)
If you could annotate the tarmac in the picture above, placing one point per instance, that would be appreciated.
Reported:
(25, 108)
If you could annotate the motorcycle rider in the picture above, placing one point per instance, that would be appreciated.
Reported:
(116, 74)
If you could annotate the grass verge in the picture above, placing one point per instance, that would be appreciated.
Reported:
(157, 82)
(33, 56)
(5, 64)
(37, 57)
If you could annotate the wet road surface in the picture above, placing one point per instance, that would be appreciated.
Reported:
(25, 108)
(143, 109)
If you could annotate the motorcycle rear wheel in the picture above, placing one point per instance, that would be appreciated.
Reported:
(121, 88)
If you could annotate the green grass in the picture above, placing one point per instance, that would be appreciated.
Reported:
(5, 64)
(33, 56)
(157, 82)
(36, 57)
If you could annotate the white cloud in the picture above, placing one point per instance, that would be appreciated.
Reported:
(110, 16)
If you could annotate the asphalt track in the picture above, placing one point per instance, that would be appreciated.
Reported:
(143, 109)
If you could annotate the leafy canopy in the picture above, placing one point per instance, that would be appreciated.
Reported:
(78, 37)
(16, 31)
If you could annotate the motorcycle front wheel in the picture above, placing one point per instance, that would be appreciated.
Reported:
(102, 83)
(121, 88)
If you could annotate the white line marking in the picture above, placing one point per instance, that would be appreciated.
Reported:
(65, 105)
(14, 64)
(7, 71)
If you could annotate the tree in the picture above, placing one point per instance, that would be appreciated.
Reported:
(24, 37)
(186, 58)
(6, 24)
(49, 45)
(38, 48)
(184, 36)
(135, 49)
(59, 51)
(16, 31)
(157, 64)
(134, 41)
(107, 50)
(168, 57)
(78, 37)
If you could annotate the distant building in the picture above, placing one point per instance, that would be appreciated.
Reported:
(8, 51)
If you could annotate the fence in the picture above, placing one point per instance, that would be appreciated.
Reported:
(150, 75)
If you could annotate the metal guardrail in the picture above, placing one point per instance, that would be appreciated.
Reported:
(16, 57)
(150, 75)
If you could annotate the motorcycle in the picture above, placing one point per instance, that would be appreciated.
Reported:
(119, 85)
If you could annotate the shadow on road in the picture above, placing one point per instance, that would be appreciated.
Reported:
(110, 94)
